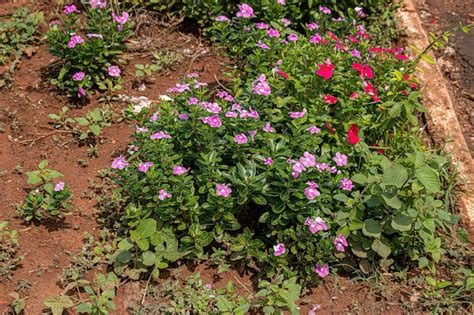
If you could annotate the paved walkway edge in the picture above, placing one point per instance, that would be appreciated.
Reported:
(442, 120)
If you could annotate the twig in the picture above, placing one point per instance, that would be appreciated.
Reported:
(146, 289)
(33, 141)
(237, 279)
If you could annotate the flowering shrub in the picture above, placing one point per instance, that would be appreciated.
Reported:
(312, 161)
(88, 47)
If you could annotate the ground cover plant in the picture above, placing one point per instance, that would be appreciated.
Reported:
(311, 162)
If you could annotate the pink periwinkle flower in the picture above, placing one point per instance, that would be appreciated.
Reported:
(262, 45)
(179, 170)
(121, 19)
(260, 86)
(285, 22)
(222, 18)
(315, 39)
(322, 271)
(59, 186)
(193, 101)
(340, 243)
(268, 161)
(154, 117)
(119, 163)
(231, 114)
(295, 115)
(245, 11)
(75, 40)
(315, 225)
(261, 26)
(81, 92)
(163, 194)
(312, 26)
(273, 33)
(114, 71)
(360, 12)
(279, 249)
(311, 192)
(292, 37)
(98, 4)
(281, 2)
(68, 9)
(160, 135)
(240, 138)
(78, 76)
(212, 121)
(313, 130)
(223, 190)
(268, 128)
(139, 129)
(298, 167)
(340, 159)
(356, 53)
(308, 159)
(183, 116)
(346, 184)
(324, 10)
(322, 167)
(179, 88)
(144, 167)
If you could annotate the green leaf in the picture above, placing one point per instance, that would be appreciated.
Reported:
(146, 228)
(381, 248)
(42, 165)
(359, 179)
(372, 228)
(148, 258)
(429, 178)
(95, 129)
(470, 283)
(259, 200)
(395, 175)
(401, 223)
(33, 178)
(84, 308)
(82, 121)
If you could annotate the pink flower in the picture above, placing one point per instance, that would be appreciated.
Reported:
(346, 184)
(308, 159)
(139, 129)
(231, 114)
(354, 96)
(292, 37)
(360, 12)
(260, 86)
(325, 71)
(222, 18)
(268, 128)
(330, 99)
(163, 194)
(311, 192)
(312, 26)
(315, 225)
(294, 115)
(223, 190)
(179, 170)
(119, 163)
(81, 92)
(121, 19)
(273, 33)
(340, 243)
(154, 117)
(240, 138)
(340, 159)
(183, 116)
(114, 71)
(262, 45)
(78, 76)
(193, 101)
(261, 26)
(59, 186)
(212, 121)
(245, 11)
(365, 71)
(281, 2)
(324, 10)
(98, 4)
(279, 249)
(322, 271)
(356, 53)
(353, 134)
(285, 22)
(313, 130)
(160, 135)
(143, 167)
(268, 161)
(68, 9)
(75, 40)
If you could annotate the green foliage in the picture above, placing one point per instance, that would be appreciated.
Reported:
(18, 34)
(46, 199)
(91, 125)
(102, 40)
(18, 304)
(274, 298)
(9, 258)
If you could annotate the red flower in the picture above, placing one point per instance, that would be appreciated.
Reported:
(372, 91)
(282, 73)
(329, 99)
(401, 57)
(352, 134)
(364, 70)
(354, 95)
(353, 39)
(329, 127)
(325, 71)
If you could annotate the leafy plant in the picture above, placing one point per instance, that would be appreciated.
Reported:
(18, 304)
(91, 125)
(274, 298)
(167, 60)
(9, 258)
(46, 198)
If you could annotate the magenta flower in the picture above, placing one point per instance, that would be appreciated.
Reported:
(245, 11)
(326, 70)
(279, 249)
(212, 121)
(315, 39)
(308, 159)
(144, 167)
(81, 92)
(324, 10)
(268, 161)
(312, 26)
(262, 45)
(260, 86)
(240, 138)
(222, 18)
(193, 101)
(315, 225)
(114, 71)
(179, 170)
(163, 194)
(75, 40)
(139, 129)
(295, 115)
(154, 117)
(346, 184)
(179, 88)
(98, 4)
(119, 163)
(298, 167)
(311, 192)
(273, 33)
(121, 19)
(360, 12)
(340, 159)
(68, 9)
(223, 190)
(78, 76)
(292, 37)
(322, 271)
(281, 2)
(261, 26)
(59, 186)
(330, 99)
(231, 114)
(160, 135)
(313, 130)
(356, 53)
(268, 128)
(183, 116)
(340, 243)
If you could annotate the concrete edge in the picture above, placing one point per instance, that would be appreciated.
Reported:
(442, 120)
